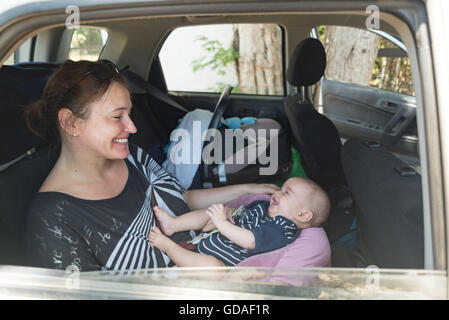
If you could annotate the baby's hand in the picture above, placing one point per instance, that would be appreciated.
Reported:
(217, 213)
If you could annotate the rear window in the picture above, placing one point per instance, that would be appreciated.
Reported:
(87, 44)
(245, 56)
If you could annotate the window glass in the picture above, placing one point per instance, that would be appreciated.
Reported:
(370, 59)
(392, 70)
(10, 60)
(245, 56)
(87, 44)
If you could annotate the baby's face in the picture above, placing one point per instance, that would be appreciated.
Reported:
(288, 201)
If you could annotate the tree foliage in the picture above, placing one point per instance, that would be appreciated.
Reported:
(86, 37)
(392, 74)
(220, 58)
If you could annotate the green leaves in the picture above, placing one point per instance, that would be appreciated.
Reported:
(220, 58)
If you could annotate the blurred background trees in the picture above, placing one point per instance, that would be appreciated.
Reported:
(362, 57)
(256, 55)
(354, 56)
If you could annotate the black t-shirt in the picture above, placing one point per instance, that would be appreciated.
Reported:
(110, 234)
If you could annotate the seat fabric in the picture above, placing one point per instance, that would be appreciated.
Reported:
(388, 206)
(314, 135)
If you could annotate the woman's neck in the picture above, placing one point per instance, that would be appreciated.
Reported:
(84, 165)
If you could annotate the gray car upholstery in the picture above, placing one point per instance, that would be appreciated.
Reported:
(388, 205)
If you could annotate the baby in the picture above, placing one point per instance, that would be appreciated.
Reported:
(261, 226)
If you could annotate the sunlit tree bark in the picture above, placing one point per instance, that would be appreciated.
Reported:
(351, 54)
(259, 67)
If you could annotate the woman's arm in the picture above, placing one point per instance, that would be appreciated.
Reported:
(203, 198)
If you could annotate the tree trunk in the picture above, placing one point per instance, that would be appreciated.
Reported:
(259, 67)
(351, 54)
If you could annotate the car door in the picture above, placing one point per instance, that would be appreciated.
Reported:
(385, 109)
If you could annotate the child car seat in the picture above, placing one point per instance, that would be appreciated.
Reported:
(245, 171)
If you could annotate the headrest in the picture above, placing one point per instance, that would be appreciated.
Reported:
(307, 63)
(12, 125)
(28, 77)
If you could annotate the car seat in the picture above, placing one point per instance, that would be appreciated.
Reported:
(388, 205)
(29, 77)
(17, 138)
(228, 173)
(24, 165)
(314, 135)
(243, 170)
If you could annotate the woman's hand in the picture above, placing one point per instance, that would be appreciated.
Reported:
(259, 188)
(203, 198)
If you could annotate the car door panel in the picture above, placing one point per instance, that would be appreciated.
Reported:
(361, 111)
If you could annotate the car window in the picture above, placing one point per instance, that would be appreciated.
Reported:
(10, 60)
(216, 283)
(245, 56)
(389, 66)
(87, 43)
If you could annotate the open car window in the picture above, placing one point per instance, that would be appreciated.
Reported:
(372, 93)
(390, 66)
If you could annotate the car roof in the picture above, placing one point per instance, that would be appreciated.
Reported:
(128, 18)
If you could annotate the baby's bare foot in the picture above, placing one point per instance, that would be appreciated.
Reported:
(158, 239)
(166, 221)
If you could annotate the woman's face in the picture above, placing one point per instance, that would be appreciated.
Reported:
(105, 132)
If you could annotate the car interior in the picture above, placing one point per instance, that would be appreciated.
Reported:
(361, 147)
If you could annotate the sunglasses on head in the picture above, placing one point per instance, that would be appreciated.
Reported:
(102, 70)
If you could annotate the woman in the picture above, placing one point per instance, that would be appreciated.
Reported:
(94, 211)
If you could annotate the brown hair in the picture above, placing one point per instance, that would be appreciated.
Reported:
(72, 86)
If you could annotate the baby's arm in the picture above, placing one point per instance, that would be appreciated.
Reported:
(240, 236)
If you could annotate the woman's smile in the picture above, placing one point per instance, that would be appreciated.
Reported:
(120, 140)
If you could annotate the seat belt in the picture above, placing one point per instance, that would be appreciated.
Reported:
(28, 154)
(155, 92)
(151, 90)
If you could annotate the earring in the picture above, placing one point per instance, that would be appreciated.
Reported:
(75, 134)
